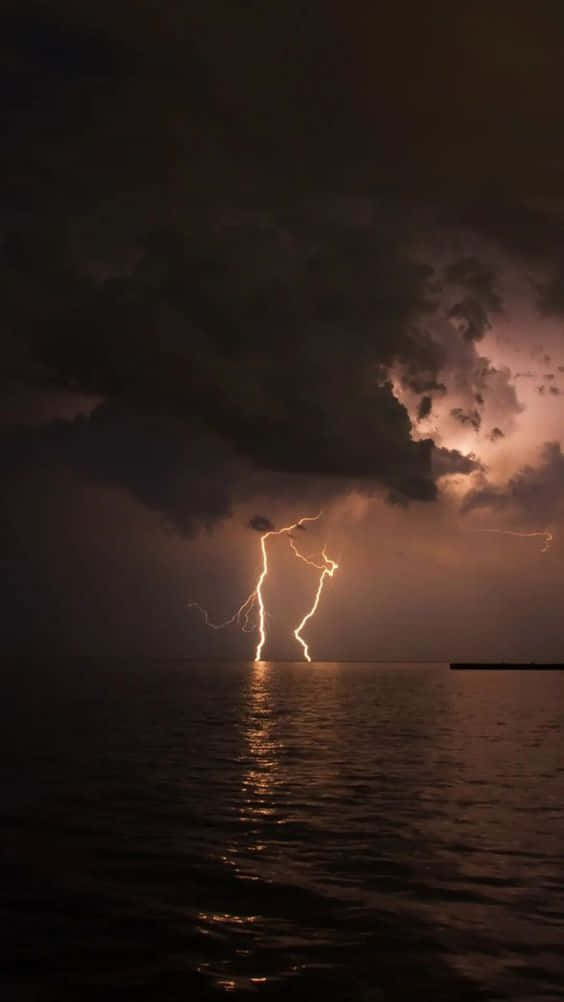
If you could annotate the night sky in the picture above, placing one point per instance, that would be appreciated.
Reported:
(264, 259)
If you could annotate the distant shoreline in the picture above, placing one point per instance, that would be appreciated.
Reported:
(504, 666)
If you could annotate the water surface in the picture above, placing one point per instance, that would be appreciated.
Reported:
(177, 830)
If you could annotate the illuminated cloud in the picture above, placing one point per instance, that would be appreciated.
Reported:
(533, 491)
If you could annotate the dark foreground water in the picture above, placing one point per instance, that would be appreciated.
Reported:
(181, 830)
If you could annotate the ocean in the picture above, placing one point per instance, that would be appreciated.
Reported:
(182, 830)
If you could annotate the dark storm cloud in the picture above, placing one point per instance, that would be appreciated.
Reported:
(260, 523)
(249, 97)
(424, 408)
(470, 318)
(478, 279)
(420, 382)
(397, 499)
(451, 461)
(188, 475)
(471, 314)
(471, 418)
(495, 434)
(276, 335)
(536, 491)
(550, 294)
(183, 233)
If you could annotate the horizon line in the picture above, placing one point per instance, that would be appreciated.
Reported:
(453, 665)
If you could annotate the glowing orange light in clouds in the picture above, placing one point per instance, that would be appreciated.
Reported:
(545, 533)
(256, 600)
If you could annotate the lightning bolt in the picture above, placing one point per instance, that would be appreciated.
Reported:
(306, 560)
(258, 590)
(327, 570)
(241, 617)
(255, 601)
(545, 533)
